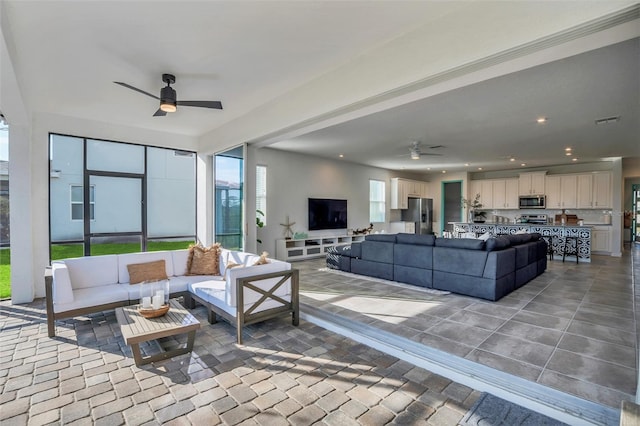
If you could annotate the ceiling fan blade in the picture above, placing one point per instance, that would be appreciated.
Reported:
(159, 113)
(429, 153)
(202, 104)
(128, 86)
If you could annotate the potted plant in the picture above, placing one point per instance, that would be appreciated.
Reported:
(473, 207)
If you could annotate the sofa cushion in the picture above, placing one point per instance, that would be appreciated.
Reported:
(89, 297)
(180, 259)
(517, 239)
(149, 256)
(62, 290)
(535, 236)
(417, 256)
(463, 243)
(376, 251)
(417, 239)
(148, 271)
(204, 260)
(465, 262)
(497, 243)
(93, 271)
(385, 238)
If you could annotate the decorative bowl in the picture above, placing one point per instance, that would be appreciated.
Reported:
(154, 313)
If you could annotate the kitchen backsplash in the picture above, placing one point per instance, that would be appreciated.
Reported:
(589, 216)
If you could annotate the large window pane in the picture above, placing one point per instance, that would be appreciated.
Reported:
(118, 204)
(376, 201)
(66, 188)
(171, 193)
(115, 157)
(229, 198)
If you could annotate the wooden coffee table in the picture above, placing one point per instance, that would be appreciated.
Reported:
(136, 329)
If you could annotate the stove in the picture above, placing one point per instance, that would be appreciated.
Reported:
(538, 219)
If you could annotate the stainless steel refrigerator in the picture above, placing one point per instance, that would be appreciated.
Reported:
(420, 212)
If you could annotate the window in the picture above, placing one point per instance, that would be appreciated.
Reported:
(376, 201)
(261, 194)
(77, 208)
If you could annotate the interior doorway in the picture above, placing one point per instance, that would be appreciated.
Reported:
(451, 204)
(229, 198)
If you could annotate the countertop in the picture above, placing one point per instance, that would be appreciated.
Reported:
(586, 225)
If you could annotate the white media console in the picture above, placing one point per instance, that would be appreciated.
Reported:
(307, 248)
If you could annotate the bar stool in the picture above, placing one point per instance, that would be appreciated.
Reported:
(570, 247)
(549, 240)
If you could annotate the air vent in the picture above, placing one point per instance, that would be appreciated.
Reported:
(178, 153)
(608, 120)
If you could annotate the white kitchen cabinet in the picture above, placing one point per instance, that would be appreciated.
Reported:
(601, 239)
(399, 194)
(552, 188)
(499, 194)
(602, 190)
(585, 191)
(531, 183)
(568, 191)
(511, 189)
(403, 189)
(486, 194)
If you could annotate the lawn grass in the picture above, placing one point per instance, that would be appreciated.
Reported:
(65, 251)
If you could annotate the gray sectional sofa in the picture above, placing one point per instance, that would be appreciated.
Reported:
(486, 269)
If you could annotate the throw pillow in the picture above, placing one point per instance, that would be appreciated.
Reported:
(149, 271)
(204, 260)
(230, 265)
(263, 259)
(485, 236)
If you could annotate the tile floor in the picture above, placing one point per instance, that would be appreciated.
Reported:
(573, 328)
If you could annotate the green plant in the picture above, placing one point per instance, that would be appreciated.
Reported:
(259, 222)
(474, 206)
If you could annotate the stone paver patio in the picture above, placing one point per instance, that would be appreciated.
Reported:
(282, 375)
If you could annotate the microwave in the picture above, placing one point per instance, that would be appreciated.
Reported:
(532, 202)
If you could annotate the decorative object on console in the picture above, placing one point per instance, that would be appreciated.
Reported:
(300, 235)
(288, 231)
(474, 206)
(154, 298)
(363, 231)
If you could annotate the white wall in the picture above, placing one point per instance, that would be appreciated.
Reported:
(293, 178)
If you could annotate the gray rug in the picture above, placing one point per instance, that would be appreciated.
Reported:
(490, 410)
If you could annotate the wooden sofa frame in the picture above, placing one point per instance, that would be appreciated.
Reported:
(53, 316)
(241, 317)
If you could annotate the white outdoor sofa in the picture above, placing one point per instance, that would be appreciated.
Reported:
(242, 295)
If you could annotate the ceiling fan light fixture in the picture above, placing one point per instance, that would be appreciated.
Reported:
(415, 155)
(168, 107)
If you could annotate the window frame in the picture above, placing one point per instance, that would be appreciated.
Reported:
(261, 198)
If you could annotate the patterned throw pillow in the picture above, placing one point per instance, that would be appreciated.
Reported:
(149, 271)
(204, 260)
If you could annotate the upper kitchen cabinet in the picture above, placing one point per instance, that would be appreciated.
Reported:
(594, 190)
(531, 183)
(403, 189)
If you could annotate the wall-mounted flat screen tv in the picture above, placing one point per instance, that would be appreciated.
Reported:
(327, 214)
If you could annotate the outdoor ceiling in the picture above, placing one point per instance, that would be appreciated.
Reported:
(251, 55)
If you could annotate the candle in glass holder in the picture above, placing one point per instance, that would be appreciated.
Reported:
(157, 301)
(146, 302)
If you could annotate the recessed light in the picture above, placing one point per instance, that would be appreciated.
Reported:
(574, 159)
(428, 168)
(568, 148)
(466, 164)
(523, 164)
(479, 168)
(568, 153)
(444, 171)
(341, 155)
(512, 159)
(541, 120)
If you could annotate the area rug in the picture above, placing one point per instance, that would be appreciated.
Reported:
(380, 280)
(490, 410)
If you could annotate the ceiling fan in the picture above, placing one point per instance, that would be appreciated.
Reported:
(168, 99)
(415, 152)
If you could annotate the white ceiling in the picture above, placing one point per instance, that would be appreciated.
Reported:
(252, 54)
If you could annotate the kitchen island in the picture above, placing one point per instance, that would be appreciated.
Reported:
(555, 234)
